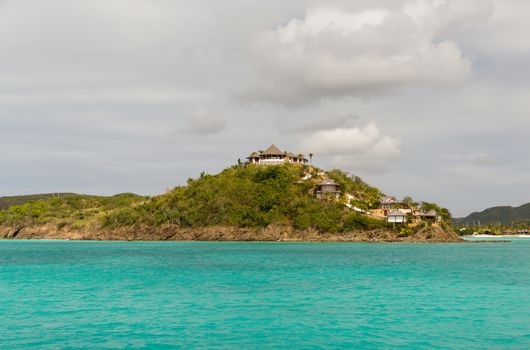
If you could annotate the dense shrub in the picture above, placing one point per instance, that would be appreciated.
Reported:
(357, 221)
(71, 210)
(251, 196)
(243, 196)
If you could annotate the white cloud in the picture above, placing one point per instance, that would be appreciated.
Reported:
(331, 52)
(328, 122)
(354, 148)
(203, 122)
(447, 17)
(501, 35)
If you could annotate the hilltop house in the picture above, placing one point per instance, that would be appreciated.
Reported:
(396, 217)
(274, 156)
(389, 202)
(431, 215)
(328, 188)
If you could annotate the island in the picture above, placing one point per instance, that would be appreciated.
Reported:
(272, 196)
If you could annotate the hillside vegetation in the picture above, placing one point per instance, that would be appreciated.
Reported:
(6, 202)
(239, 196)
(252, 196)
(242, 203)
(73, 210)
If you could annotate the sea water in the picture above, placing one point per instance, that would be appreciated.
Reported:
(143, 295)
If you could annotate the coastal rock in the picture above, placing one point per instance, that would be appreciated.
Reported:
(271, 233)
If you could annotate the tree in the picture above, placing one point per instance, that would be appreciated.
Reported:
(409, 201)
(444, 213)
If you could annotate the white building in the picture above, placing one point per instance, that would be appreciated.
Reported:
(274, 156)
(396, 217)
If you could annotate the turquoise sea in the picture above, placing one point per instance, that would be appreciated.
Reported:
(150, 295)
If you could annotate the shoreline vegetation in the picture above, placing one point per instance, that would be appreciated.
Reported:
(241, 203)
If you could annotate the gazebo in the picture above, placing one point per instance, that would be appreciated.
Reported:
(274, 156)
(328, 188)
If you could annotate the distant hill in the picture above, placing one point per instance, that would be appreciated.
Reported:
(504, 215)
(8, 201)
(63, 209)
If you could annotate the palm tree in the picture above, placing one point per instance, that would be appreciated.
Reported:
(311, 157)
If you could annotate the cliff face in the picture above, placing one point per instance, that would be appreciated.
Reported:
(223, 233)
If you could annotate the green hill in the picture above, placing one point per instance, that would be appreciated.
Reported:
(253, 196)
(243, 202)
(67, 209)
(6, 202)
(239, 196)
(505, 215)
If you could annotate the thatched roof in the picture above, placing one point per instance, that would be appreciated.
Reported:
(273, 151)
(388, 200)
(431, 213)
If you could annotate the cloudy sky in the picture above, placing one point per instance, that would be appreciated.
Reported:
(427, 98)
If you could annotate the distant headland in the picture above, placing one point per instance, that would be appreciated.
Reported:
(273, 196)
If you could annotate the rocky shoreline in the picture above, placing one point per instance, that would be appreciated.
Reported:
(222, 233)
